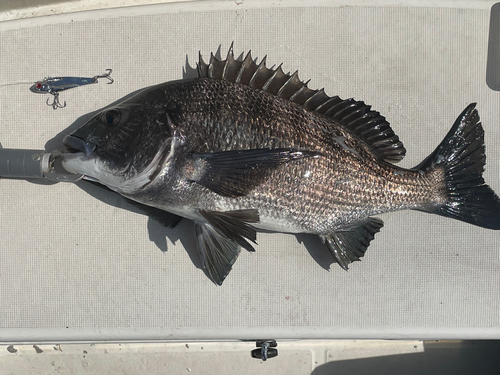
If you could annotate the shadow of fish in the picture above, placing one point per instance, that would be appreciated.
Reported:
(243, 148)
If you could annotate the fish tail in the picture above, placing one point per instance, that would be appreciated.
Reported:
(460, 160)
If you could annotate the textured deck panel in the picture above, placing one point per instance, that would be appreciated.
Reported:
(78, 262)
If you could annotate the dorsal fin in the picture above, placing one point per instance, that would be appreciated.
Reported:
(355, 116)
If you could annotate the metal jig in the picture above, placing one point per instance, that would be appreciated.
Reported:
(53, 85)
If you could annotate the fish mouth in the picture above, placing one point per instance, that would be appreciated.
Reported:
(75, 144)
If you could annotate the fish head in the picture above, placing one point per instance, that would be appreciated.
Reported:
(122, 146)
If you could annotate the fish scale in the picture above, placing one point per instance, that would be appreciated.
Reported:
(245, 148)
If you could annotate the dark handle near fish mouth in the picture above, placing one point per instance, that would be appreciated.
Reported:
(21, 163)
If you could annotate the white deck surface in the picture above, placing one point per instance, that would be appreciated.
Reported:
(78, 263)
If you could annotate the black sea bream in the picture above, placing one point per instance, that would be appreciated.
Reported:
(245, 148)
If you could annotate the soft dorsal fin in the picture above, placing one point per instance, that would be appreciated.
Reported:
(355, 116)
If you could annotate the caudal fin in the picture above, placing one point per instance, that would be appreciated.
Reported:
(461, 155)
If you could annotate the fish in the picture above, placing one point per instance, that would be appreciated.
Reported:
(244, 148)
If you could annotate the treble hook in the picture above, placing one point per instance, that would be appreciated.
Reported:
(55, 102)
(106, 75)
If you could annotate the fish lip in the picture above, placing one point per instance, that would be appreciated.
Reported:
(75, 144)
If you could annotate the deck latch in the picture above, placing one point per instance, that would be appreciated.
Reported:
(266, 349)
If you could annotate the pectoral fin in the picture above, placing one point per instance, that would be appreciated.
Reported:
(236, 173)
(220, 238)
(347, 247)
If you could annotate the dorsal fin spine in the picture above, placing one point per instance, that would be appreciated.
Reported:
(291, 84)
(247, 70)
(260, 76)
(299, 91)
(316, 100)
(273, 77)
(242, 68)
(328, 104)
(202, 67)
(212, 65)
(227, 64)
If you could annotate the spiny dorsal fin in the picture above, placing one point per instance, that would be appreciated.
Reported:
(355, 116)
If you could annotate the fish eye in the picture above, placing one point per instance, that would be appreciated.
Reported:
(38, 85)
(111, 117)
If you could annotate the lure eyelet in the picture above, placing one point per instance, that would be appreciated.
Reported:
(111, 117)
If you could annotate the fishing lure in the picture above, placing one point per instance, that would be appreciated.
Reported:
(53, 85)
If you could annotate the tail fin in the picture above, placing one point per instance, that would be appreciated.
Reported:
(462, 157)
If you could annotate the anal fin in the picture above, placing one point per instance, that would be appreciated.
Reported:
(349, 246)
(221, 237)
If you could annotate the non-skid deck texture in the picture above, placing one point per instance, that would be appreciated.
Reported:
(79, 262)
